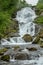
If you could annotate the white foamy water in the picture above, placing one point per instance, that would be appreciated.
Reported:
(32, 2)
(40, 61)
(25, 17)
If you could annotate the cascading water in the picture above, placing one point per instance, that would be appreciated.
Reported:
(25, 17)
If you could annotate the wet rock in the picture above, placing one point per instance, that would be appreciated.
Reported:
(22, 56)
(16, 47)
(32, 49)
(41, 13)
(14, 15)
(10, 52)
(2, 51)
(27, 38)
(41, 45)
(13, 34)
(41, 33)
(5, 58)
(37, 39)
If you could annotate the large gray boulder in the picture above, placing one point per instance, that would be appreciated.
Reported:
(22, 56)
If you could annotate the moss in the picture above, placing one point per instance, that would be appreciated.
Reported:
(27, 38)
(39, 6)
(5, 58)
(2, 51)
(16, 47)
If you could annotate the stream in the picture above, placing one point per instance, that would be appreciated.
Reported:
(25, 19)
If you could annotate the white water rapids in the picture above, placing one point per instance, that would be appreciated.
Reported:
(25, 17)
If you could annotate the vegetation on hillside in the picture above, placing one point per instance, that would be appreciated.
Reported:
(40, 4)
(8, 9)
(39, 7)
(39, 20)
(39, 12)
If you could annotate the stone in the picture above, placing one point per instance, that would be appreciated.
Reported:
(22, 56)
(41, 33)
(36, 40)
(16, 47)
(32, 49)
(2, 51)
(41, 45)
(5, 58)
(27, 38)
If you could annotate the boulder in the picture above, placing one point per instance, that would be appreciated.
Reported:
(16, 47)
(36, 40)
(32, 49)
(2, 51)
(5, 58)
(41, 33)
(27, 38)
(41, 45)
(22, 56)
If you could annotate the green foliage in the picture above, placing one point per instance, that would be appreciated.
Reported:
(39, 7)
(5, 58)
(23, 4)
(40, 1)
(39, 20)
(7, 8)
(7, 4)
(4, 22)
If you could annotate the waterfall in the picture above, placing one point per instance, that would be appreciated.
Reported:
(32, 2)
(25, 17)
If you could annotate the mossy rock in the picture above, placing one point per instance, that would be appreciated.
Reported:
(41, 33)
(5, 58)
(41, 45)
(2, 51)
(27, 38)
(22, 56)
(32, 49)
(36, 41)
(16, 47)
